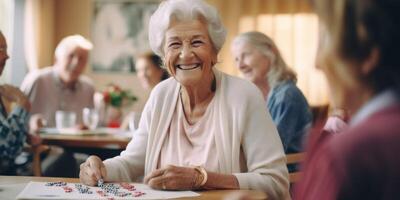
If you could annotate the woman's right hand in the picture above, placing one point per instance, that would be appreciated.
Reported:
(36, 122)
(92, 170)
(15, 95)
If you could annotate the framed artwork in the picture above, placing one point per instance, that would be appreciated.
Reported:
(120, 33)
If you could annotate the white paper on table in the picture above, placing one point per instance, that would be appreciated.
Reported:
(75, 131)
(39, 190)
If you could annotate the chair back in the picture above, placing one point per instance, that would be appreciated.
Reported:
(294, 158)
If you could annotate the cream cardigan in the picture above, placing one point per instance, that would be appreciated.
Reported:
(247, 137)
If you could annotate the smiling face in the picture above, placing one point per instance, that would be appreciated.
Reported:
(3, 52)
(189, 52)
(72, 64)
(250, 61)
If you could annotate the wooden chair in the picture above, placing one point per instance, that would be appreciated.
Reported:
(36, 151)
(295, 158)
(320, 113)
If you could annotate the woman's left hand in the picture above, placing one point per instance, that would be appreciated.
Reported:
(34, 139)
(172, 178)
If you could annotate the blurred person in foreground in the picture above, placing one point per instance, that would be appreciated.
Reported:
(259, 60)
(358, 52)
(14, 108)
(200, 129)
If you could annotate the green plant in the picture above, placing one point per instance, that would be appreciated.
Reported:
(117, 97)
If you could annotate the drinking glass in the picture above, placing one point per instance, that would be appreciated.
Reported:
(65, 119)
(90, 118)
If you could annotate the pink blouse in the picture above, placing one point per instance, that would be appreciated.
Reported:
(190, 144)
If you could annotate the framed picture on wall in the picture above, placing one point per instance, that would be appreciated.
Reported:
(120, 33)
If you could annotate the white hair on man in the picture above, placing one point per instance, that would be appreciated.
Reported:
(184, 10)
(71, 42)
(279, 70)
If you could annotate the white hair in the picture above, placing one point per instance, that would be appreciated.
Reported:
(279, 70)
(70, 42)
(184, 10)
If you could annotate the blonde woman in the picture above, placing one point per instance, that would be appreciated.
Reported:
(358, 53)
(259, 60)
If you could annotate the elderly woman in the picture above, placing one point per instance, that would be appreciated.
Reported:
(201, 129)
(358, 53)
(260, 62)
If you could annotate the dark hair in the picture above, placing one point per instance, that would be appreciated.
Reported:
(359, 26)
(157, 61)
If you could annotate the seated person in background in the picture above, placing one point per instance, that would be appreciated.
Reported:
(60, 87)
(201, 129)
(358, 53)
(150, 72)
(260, 62)
(14, 108)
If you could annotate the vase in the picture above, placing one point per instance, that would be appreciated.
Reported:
(113, 117)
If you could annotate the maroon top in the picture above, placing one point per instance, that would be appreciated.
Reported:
(361, 163)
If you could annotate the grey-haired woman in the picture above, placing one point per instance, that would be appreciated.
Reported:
(200, 129)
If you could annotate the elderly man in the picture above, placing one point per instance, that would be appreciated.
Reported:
(60, 87)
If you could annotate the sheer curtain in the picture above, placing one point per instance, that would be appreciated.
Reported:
(293, 26)
(39, 34)
(6, 21)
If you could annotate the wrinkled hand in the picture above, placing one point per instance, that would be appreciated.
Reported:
(15, 95)
(81, 127)
(92, 170)
(172, 178)
(34, 139)
(36, 122)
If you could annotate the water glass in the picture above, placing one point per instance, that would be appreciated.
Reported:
(90, 118)
(65, 119)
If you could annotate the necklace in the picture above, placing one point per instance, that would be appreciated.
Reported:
(194, 115)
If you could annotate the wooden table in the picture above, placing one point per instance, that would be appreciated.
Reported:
(105, 146)
(110, 141)
(98, 138)
(209, 195)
